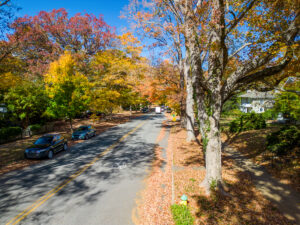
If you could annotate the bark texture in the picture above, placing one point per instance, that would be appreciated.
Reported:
(190, 117)
(183, 121)
(217, 60)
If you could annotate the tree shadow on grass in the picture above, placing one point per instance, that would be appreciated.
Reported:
(245, 206)
(253, 145)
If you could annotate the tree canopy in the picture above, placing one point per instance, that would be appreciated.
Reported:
(223, 47)
(41, 39)
(209, 51)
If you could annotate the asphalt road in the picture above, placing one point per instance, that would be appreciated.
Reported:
(96, 182)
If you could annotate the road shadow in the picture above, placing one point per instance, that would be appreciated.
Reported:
(19, 188)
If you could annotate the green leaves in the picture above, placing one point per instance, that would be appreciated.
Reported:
(288, 104)
(26, 101)
(248, 121)
(284, 141)
(67, 88)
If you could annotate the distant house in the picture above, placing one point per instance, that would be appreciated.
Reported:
(257, 102)
(3, 109)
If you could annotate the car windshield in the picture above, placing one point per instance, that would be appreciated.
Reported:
(44, 140)
(82, 128)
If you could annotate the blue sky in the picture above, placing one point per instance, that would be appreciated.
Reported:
(110, 9)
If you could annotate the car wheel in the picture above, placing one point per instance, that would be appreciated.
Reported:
(65, 147)
(94, 134)
(86, 137)
(50, 154)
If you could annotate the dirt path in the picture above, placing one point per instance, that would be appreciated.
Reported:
(281, 195)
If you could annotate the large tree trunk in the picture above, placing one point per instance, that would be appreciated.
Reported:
(182, 99)
(193, 71)
(201, 113)
(190, 117)
(217, 60)
(213, 177)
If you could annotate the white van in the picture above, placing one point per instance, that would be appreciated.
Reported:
(157, 110)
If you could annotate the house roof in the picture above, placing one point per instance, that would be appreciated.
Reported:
(256, 94)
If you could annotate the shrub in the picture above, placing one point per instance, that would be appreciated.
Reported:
(247, 121)
(182, 215)
(269, 115)
(234, 126)
(284, 141)
(9, 132)
(288, 104)
(232, 113)
(35, 127)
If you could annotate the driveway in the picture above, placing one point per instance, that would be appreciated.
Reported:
(94, 183)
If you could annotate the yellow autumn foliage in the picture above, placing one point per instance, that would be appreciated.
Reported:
(9, 80)
(62, 72)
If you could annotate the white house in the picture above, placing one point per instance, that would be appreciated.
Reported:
(256, 101)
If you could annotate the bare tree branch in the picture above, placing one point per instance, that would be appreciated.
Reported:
(276, 87)
(237, 51)
(173, 8)
(240, 16)
(241, 75)
(4, 3)
(236, 79)
(267, 72)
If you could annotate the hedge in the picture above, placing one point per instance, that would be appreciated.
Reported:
(10, 132)
(35, 127)
(247, 121)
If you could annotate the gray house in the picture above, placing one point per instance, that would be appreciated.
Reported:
(257, 102)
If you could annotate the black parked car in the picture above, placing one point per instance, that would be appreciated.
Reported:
(145, 110)
(46, 146)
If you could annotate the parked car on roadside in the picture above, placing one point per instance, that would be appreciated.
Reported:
(169, 110)
(145, 110)
(46, 146)
(84, 133)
